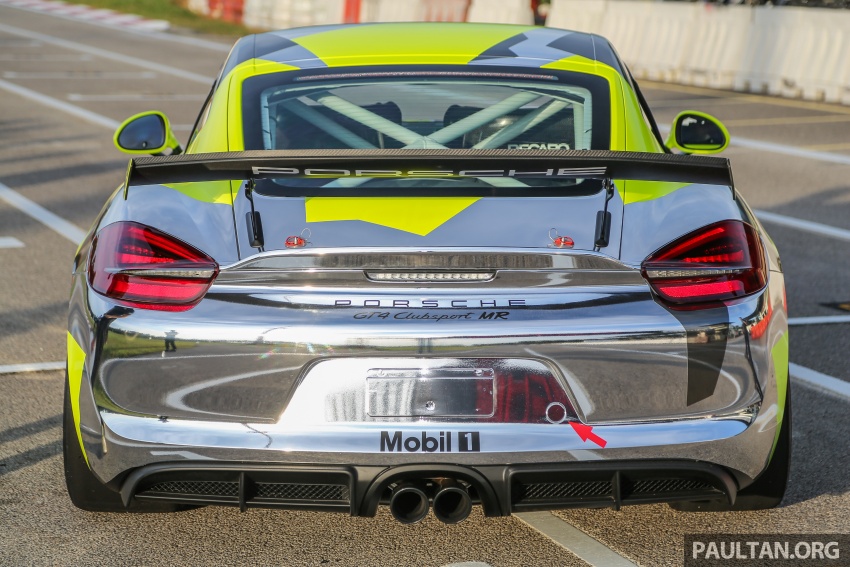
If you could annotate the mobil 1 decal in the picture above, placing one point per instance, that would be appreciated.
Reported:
(459, 441)
(430, 442)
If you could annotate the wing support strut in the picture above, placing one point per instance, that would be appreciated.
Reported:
(603, 217)
(255, 223)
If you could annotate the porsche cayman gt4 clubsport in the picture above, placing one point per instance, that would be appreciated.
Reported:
(426, 266)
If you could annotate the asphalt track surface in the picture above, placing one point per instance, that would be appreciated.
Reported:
(65, 84)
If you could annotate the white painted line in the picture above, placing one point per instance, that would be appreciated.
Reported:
(31, 367)
(77, 111)
(10, 242)
(15, 42)
(574, 540)
(35, 96)
(39, 58)
(782, 149)
(822, 320)
(81, 75)
(42, 215)
(804, 225)
(77, 97)
(821, 382)
(126, 59)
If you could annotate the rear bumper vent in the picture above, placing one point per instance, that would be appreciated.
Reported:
(262, 490)
(197, 487)
(666, 486)
(289, 491)
(546, 491)
(250, 489)
(543, 489)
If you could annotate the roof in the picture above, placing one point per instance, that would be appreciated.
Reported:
(421, 43)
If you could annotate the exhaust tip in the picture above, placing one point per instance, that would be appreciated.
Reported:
(452, 503)
(409, 503)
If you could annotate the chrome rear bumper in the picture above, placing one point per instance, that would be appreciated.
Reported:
(129, 442)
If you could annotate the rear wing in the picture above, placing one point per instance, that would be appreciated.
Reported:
(483, 164)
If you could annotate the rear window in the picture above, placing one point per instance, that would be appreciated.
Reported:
(426, 109)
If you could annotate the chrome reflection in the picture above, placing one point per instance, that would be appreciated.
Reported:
(176, 399)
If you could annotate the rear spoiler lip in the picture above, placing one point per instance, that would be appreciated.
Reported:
(593, 164)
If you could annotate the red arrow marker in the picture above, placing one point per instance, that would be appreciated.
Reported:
(586, 433)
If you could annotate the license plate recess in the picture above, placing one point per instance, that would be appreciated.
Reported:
(431, 392)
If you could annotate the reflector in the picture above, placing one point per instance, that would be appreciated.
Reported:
(563, 242)
(295, 242)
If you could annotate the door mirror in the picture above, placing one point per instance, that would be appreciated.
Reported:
(698, 133)
(147, 133)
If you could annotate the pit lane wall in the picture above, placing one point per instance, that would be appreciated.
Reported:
(279, 14)
(785, 51)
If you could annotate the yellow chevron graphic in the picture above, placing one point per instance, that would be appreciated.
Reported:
(410, 214)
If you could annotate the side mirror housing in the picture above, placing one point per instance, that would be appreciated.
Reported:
(147, 133)
(697, 133)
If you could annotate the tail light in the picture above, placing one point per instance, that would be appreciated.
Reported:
(142, 267)
(718, 262)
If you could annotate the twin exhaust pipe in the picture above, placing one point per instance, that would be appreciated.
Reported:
(409, 502)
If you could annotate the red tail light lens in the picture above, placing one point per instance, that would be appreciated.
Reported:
(718, 262)
(142, 267)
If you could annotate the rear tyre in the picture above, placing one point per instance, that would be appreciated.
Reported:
(768, 489)
(85, 490)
